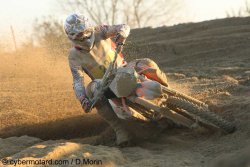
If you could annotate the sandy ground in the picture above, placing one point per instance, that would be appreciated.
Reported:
(41, 119)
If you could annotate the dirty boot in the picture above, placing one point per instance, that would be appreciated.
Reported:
(123, 138)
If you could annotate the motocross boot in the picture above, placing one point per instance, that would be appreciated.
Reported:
(104, 109)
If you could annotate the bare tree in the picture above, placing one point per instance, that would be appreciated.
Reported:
(152, 13)
(99, 11)
(136, 5)
(243, 11)
(136, 13)
(114, 10)
(247, 7)
(48, 32)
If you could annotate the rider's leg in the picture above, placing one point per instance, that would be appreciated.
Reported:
(105, 110)
(155, 73)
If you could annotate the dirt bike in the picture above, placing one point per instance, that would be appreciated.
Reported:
(151, 101)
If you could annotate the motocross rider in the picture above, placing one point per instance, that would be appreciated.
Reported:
(92, 52)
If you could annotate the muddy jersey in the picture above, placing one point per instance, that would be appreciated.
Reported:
(98, 58)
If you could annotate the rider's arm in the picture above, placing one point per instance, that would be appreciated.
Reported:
(120, 31)
(77, 74)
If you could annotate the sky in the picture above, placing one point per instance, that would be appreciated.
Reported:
(21, 13)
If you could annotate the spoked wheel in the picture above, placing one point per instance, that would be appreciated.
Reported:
(201, 114)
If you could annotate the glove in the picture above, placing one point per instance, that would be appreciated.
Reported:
(86, 104)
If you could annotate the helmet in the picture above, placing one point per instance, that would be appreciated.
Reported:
(77, 27)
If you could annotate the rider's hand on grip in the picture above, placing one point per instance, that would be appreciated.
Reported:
(86, 104)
